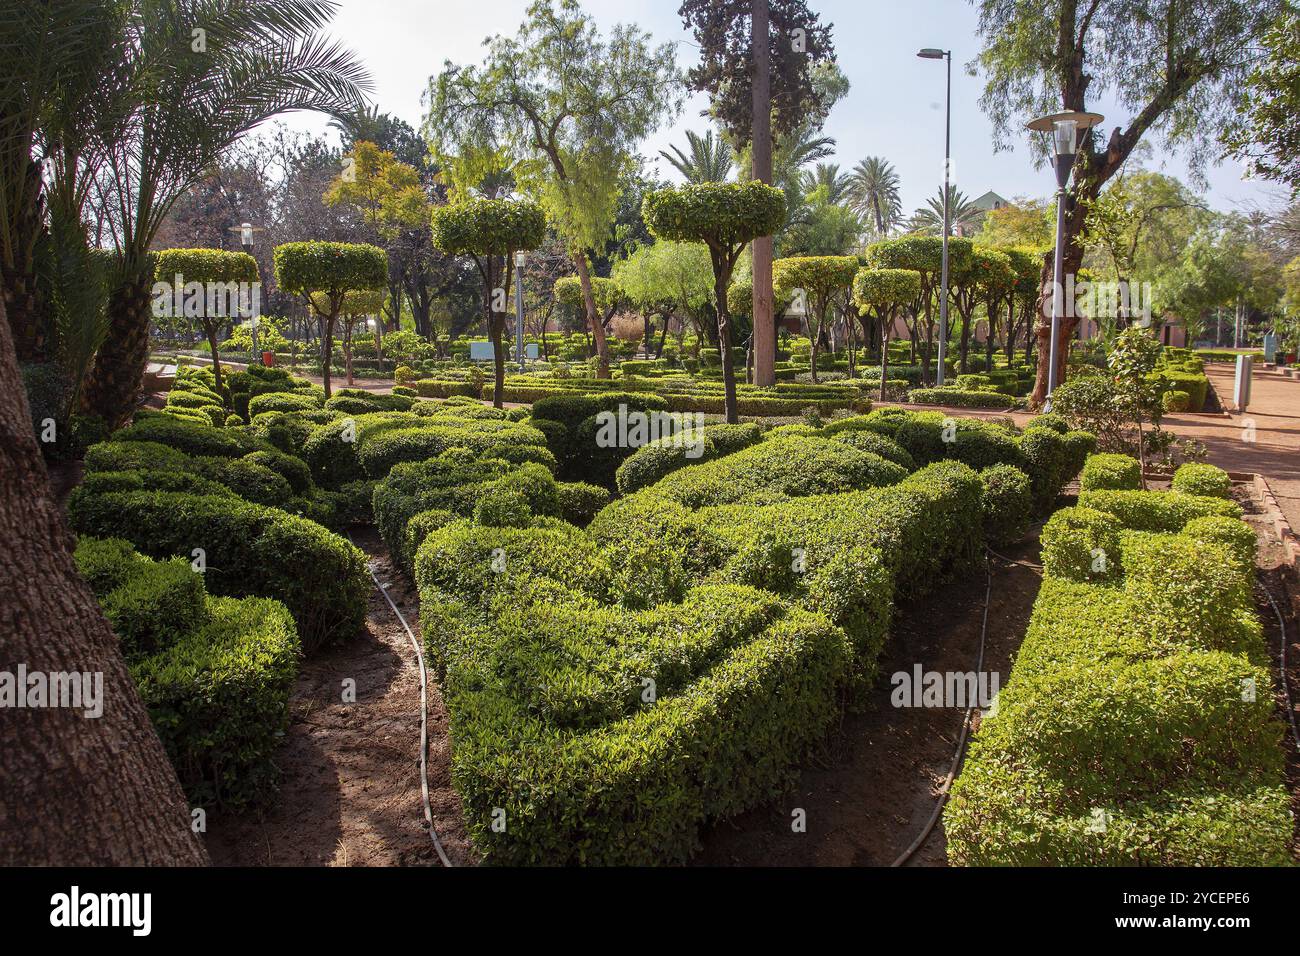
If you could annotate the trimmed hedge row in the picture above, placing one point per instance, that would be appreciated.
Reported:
(611, 690)
(960, 398)
(1137, 727)
(214, 673)
(249, 550)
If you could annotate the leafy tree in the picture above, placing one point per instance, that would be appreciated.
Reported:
(178, 100)
(710, 159)
(922, 254)
(1265, 134)
(725, 217)
(887, 293)
(816, 280)
(668, 279)
(566, 108)
(724, 31)
(1177, 68)
(324, 273)
(768, 68)
(208, 266)
(491, 231)
(357, 306)
(874, 192)
(821, 227)
(1021, 222)
(983, 276)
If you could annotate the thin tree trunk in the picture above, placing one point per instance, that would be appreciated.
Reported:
(593, 319)
(327, 353)
(724, 341)
(74, 791)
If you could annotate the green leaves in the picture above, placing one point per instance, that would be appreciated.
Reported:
(205, 265)
(334, 268)
(886, 291)
(722, 215)
(488, 227)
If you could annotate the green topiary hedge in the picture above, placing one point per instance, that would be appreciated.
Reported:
(1111, 472)
(1157, 511)
(1138, 727)
(1197, 478)
(214, 673)
(248, 550)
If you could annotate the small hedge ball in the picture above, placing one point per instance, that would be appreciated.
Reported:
(1197, 478)
(1108, 471)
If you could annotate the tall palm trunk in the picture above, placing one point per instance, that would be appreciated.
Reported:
(76, 791)
(119, 365)
(18, 279)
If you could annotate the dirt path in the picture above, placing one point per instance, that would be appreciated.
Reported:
(350, 793)
(875, 785)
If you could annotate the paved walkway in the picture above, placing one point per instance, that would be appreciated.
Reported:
(1264, 439)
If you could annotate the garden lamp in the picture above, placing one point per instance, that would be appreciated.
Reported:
(246, 232)
(1065, 128)
(521, 259)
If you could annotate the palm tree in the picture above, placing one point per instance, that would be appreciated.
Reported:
(964, 216)
(199, 75)
(828, 176)
(795, 151)
(873, 191)
(710, 159)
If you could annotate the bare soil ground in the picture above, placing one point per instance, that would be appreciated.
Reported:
(350, 793)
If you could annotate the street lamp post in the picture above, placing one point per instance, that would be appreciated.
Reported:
(930, 53)
(246, 231)
(520, 259)
(1064, 128)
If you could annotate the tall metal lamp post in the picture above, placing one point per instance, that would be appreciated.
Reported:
(930, 53)
(1064, 128)
(246, 232)
(521, 258)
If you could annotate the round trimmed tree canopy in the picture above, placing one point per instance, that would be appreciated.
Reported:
(885, 290)
(720, 214)
(358, 302)
(302, 268)
(205, 265)
(488, 227)
(818, 276)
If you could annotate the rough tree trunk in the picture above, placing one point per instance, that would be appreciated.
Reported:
(21, 293)
(74, 791)
(119, 364)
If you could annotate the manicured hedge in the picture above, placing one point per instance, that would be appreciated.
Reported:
(214, 673)
(1138, 727)
(959, 398)
(1111, 472)
(1157, 511)
(1197, 478)
(545, 654)
(249, 549)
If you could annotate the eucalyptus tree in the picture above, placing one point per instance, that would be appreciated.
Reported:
(564, 108)
(1177, 69)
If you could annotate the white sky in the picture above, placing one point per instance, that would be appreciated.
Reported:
(894, 107)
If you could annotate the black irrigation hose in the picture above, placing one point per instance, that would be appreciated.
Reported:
(965, 731)
(1286, 684)
(424, 717)
(1023, 564)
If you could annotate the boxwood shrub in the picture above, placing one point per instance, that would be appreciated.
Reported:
(1131, 731)
(215, 673)
(1110, 471)
(250, 550)
(1157, 510)
(1198, 478)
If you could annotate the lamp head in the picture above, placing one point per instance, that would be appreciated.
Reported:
(930, 53)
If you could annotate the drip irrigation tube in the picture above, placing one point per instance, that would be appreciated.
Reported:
(1286, 684)
(965, 732)
(424, 716)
